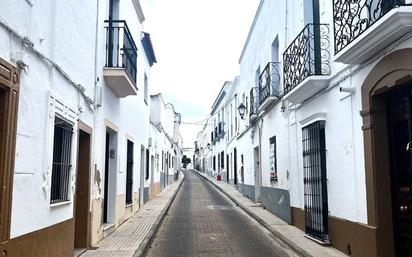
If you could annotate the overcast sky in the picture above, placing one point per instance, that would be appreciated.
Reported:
(197, 44)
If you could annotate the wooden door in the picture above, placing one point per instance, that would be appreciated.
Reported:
(82, 197)
(9, 98)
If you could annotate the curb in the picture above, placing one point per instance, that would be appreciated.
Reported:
(143, 248)
(283, 238)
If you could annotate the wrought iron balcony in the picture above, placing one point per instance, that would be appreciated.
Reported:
(306, 59)
(121, 58)
(254, 103)
(269, 84)
(352, 19)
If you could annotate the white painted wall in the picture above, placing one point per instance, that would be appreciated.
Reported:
(64, 34)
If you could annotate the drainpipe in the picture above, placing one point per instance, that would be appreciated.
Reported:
(96, 81)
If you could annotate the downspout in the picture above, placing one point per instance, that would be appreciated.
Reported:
(96, 81)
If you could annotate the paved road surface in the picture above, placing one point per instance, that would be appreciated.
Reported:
(202, 222)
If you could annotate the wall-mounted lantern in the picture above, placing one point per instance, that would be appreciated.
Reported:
(242, 110)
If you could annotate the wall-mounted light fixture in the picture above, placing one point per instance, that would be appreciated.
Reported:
(242, 110)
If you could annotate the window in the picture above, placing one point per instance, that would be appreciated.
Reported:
(275, 50)
(314, 178)
(163, 160)
(214, 163)
(147, 164)
(129, 173)
(257, 76)
(62, 148)
(146, 89)
(273, 160)
(222, 160)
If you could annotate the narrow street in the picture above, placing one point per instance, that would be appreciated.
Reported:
(203, 222)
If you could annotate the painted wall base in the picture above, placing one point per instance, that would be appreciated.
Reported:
(247, 190)
(277, 201)
(356, 239)
(54, 241)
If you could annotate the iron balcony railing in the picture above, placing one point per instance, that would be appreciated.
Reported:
(254, 101)
(352, 18)
(308, 55)
(269, 81)
(121, 50)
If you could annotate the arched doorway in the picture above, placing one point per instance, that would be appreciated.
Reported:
(387, 133)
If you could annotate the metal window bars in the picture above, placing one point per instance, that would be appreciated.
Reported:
(269, 81)
(306, 56)
(62, 147)
(121, 50)
(352, 18)
(129, 173)
(315, 188)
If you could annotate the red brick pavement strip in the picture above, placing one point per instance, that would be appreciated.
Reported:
(303, 245)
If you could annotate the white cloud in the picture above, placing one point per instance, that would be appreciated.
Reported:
(197, 44)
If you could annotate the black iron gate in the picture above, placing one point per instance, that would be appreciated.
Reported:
(314, 168)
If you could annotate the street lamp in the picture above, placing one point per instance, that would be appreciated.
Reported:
(242, 110)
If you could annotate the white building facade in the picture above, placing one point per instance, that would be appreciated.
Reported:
(323, 143)
(76, 143)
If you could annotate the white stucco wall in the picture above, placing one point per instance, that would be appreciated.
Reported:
(65, 34)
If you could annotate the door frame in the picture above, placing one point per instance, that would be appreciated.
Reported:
(256, 169)
(9, 84)
(84, 128)
(110, 174)
(393, 70)
(235, 166)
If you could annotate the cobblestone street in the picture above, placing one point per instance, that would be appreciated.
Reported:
(203, 222)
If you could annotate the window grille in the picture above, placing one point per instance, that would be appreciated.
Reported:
(62, 147)
(129, 173)
(147, 164)
(315, 190)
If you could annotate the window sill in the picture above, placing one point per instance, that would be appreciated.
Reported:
(60, 204)
(129, 205)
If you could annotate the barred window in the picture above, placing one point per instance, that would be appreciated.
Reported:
(62, 146)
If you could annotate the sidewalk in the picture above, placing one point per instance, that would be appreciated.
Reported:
(291, 235)
(132, 237)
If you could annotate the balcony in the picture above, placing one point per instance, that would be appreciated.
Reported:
(254, 103)
(121, 57)
(306, 63)
(269, 85)
(365, 28)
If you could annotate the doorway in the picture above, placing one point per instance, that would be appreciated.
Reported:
(82, 194)
(109, 203)
(9, 99)
(235, 165)
(314, 172)
(400, 146)
(152, 186)
(227, 168)
(256, 168)
(142, 175)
